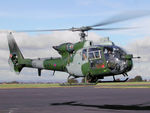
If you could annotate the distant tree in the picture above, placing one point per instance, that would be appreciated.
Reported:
(72, 80)
(131, 80)
(13, 82)
(136, 79)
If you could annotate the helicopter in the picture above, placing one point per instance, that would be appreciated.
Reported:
(80, 59)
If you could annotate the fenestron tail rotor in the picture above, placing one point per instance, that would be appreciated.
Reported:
(15, 56)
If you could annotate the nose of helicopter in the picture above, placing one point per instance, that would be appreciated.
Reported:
(129, 58)
(124, 64)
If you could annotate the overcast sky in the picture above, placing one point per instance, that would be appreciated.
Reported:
(52, 14)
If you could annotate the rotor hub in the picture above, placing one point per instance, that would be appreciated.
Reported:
(82, 36)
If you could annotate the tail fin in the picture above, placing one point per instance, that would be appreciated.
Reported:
(15, 56)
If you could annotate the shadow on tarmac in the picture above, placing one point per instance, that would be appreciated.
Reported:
(113, 107)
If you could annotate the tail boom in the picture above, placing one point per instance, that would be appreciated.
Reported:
(17, 61)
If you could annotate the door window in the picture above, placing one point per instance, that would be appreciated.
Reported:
(84, 54)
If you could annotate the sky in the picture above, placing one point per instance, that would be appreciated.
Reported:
(53, 14)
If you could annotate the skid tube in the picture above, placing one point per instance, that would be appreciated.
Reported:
(115, 79)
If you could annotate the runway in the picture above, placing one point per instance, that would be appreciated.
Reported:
(75, 100)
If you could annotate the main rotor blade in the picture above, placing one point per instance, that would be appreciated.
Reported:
(46, 30)
(107, 29)
(122, 17)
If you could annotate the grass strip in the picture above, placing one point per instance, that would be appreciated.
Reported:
(124, 83)
(99, 85)
(28, 85)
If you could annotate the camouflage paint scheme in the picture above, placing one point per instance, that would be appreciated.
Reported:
(71, 60)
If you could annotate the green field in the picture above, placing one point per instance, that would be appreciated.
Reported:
(124, 85)
(28, 86)
(99, 85)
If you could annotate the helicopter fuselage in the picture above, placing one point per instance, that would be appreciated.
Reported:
(90, 60)
(82, 59)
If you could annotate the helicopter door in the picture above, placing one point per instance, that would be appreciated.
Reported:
(84, 54)
(95, 58)
(75, 67)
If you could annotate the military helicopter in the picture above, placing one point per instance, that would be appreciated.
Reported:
(81, 59)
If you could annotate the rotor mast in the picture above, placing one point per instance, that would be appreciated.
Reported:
(82, 36)
(82, 31)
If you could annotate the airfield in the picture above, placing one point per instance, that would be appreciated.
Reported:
(55, 98)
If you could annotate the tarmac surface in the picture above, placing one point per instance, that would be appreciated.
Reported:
(75, 100)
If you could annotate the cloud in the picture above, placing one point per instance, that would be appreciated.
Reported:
(140, 47)
(29, 75)
(140, 27)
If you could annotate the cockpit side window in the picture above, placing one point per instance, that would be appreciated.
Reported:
(113, 51)
(91, 55)
(94, 53)
(95, 58)
(97, 54)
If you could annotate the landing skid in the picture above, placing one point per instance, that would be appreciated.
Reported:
(113, 81)
(125, 75)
